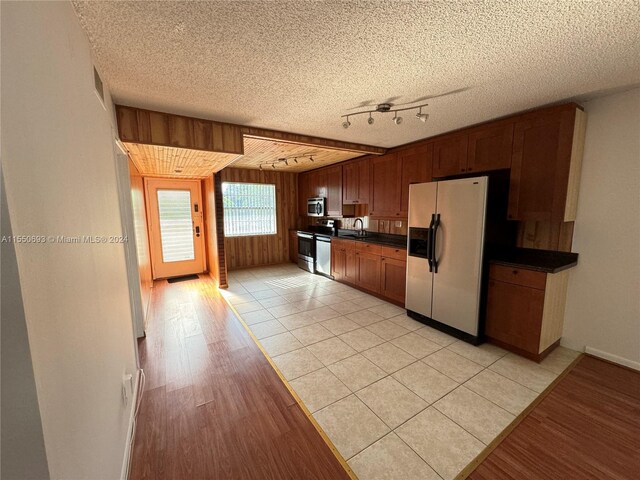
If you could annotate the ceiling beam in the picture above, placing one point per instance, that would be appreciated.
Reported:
(137, 125)
(286, 137)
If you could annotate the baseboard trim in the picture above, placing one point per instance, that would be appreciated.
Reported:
(612, 358)
(126, 462)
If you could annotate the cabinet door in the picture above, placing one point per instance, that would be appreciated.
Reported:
(540, 164)
(350, 267)
(321, 183)
(303, 193)
(393, 279)
(514, 315)
(338, 262)
(490, 148)
(416, 168)
(386, 173)
(334, 191)
(368, 271)
(450, 156)
(350, 183)
(364, 184)
(314, 186)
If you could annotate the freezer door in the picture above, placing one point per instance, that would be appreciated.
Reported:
(422, 205)
(419, 286)
(459, 243)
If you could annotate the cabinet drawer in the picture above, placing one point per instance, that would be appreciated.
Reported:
(518, 276)
(369, 248)
(346, 244)
(397, 253)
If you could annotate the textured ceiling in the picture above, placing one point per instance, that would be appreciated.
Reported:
(297, 66)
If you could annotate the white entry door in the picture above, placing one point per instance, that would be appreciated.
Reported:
(176, 231)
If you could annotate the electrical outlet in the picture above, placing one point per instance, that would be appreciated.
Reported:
(127, 387)
(398, 223)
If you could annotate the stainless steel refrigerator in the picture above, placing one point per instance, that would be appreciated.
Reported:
(445, 254)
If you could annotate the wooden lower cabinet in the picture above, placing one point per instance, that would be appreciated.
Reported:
(376, 269)
(351, 267)
(393, 278)
(368, 271)
(525, 309)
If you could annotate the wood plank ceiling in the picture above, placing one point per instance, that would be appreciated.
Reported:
(175, 162)
(163, 161)
(261, 152)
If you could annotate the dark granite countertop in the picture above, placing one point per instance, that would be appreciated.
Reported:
(531, 259)
(389, 240)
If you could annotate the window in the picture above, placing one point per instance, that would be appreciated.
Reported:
(249, 209)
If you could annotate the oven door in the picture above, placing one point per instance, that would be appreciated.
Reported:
(315, 207)
(306, 251)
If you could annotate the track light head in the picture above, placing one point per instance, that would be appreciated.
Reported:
(273, 165)
(370, 121)
(346, 123)
(397, 120)
(295, 160)
(311, 158)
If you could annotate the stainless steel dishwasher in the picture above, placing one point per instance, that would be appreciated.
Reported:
(323, 254)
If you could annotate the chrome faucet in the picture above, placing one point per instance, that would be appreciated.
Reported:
(361, 233)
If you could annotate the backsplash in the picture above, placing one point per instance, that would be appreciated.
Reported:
(394, 227)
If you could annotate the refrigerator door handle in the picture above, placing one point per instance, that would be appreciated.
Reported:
(430, 242)
(434, 230)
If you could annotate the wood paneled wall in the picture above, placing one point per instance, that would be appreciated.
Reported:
(142, 237)
(211, 241)
(264, 249)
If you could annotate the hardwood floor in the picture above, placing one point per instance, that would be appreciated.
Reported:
(213, 407)
(588, 427)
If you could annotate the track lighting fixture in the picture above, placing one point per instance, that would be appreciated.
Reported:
(387, 108)
(287, 161)
(422, 116)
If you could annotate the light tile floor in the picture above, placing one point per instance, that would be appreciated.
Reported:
(397, 398)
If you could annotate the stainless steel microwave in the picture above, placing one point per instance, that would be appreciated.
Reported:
(316, 207)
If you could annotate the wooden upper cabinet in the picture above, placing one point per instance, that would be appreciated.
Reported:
(334, 190)
(386, 177)
(490, 147)
(303, 193)
(545, 165)
(450, 155)
(355, 182)
(416, 168)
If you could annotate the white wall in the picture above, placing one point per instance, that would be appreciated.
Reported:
(603, 301)
(22, 452)
(59, 170)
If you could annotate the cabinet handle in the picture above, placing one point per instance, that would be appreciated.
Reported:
(515, 272)
(462, 169)
(469, 169)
